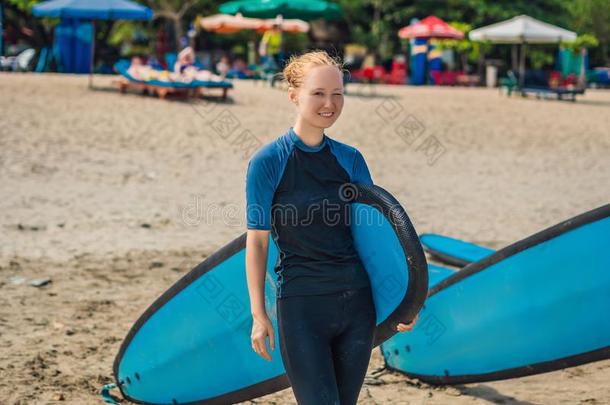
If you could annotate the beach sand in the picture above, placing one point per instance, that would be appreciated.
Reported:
(115, 197)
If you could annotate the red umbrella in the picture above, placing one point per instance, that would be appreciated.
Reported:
(430, 27)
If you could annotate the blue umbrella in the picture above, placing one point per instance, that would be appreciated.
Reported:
(93, 10)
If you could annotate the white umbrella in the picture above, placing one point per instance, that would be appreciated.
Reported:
(522, 30)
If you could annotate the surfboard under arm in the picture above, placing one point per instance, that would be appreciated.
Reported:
(453, 251)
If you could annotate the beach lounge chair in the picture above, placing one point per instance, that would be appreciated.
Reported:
(509, 83)
(537, 84)
(561, 93)
(599, 77)
(163, 88)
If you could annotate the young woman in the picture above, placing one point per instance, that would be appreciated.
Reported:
(294, 185)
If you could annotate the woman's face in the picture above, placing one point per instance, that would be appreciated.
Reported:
(320, 98)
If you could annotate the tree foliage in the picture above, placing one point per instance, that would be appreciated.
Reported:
(375, 23)
(592, 17)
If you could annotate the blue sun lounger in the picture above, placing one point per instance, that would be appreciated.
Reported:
(162, 88)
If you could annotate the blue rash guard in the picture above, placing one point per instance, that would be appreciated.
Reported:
(294, 190)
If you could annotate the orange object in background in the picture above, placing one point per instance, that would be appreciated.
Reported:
(228, 24)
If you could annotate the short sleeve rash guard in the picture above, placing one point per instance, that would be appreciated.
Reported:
(295, 191)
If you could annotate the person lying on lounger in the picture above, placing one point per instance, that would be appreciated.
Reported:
(185, 69)
(138, 70)
(185, 60)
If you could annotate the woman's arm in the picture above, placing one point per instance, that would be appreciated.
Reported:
(257, 244)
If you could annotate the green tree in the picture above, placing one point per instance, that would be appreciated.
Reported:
(37, 31)
(375, 23)
(468, 51)
(592, 17)
(181, 11)
(33, 31)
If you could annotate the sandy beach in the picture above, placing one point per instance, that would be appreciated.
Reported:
(115, 197)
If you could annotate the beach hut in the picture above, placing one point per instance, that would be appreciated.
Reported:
(522, 30)
(72, 12)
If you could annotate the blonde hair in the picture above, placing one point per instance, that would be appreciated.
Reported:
(298, 65)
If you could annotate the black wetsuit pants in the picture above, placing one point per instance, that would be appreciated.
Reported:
(326, 342)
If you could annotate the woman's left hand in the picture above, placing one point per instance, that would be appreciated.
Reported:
(405, 327)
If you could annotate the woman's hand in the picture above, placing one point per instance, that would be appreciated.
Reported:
(405, 327)
(261, 328)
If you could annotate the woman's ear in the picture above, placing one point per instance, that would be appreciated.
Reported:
(293, 95)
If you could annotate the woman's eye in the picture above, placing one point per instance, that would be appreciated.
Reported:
(320, 93)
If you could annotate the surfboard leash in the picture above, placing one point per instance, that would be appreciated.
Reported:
(107, 397)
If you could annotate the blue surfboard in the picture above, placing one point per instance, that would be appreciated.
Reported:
(192, 345)
(436, 274)
(538, 305)
(454, 252)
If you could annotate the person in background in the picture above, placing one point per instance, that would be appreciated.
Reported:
(137, 69)
(239, 70)
(271, 44)
(186, 58)
(223, 66)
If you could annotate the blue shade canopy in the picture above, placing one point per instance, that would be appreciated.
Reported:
(93, 9)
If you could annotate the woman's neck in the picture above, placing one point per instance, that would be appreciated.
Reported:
(311, 136)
